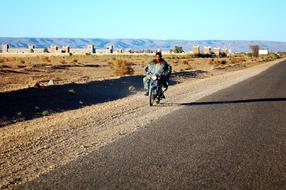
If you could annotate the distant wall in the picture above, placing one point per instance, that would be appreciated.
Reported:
(52, 50)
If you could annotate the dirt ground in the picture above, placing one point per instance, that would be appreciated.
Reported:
(37, 86)
(86, 114)
(26, 72)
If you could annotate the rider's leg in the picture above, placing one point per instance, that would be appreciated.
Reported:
(165, 85)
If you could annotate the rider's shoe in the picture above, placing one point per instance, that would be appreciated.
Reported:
(146, 93)
(163, 96)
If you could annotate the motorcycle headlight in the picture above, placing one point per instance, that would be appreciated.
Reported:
(154, 77)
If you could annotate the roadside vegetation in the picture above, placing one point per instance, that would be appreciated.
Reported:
(129, 64)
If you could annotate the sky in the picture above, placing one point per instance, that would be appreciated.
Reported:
(148, 19)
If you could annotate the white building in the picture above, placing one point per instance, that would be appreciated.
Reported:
(263, 52)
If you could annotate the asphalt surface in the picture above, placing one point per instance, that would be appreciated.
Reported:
(234, 139)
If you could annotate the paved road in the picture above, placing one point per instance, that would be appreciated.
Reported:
(234, 139)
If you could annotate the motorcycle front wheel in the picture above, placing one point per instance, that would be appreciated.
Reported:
(151, 96)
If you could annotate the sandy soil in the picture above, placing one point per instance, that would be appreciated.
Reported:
(26, 72)
(31, 148)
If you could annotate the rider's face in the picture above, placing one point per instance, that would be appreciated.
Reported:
(158, 57)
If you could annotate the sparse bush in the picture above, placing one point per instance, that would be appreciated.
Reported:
(75, 61)
(189, 67)
(47, 59)
(212, 61)
(235, 60)
(131, 88)
(185, 62)
(46, 50)
(178, 49)
(63, 61)
(71, 91)
(45, 113)
(218, 61)
(22, 61)
(223, 62)
(122, 67)
(270, 57)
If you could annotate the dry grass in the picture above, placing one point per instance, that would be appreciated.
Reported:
(122, 67)
(218, 61)
(269, 57)
(22, 71)
(235, 60)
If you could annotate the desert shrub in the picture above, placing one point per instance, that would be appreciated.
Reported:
(185, 62)
(270, 57)
(218, 61)
(63, 61)
(22, 61)
(223, 62)
(189, 67)
(235, 60)
(212, 61)
(45, 113)
(75, 61)
(122, 67)
(178, 49)
(46, 50)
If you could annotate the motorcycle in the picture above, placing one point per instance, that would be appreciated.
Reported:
(155, 90)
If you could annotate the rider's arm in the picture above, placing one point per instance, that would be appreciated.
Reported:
(168, 69)
(149, 68)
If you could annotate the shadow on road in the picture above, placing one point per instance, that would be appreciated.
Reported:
(33, 102)
(262, 100)
(235, 101)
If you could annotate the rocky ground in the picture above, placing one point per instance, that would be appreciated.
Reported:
(38, 145)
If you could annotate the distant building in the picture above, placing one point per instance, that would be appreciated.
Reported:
(110, 49)
(65, 49)
(217, 51)
(90, 48)
(54, 49)
(118, 51)
(263, 52)
(207, 51)
(196, 50)
(5, 48)
(225, 51)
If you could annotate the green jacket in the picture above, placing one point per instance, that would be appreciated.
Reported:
(162, 69)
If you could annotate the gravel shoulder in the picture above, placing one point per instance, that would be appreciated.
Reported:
(31, 148)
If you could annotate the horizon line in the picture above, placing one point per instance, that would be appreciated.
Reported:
(143, 39)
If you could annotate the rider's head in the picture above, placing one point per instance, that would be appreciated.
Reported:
(158, 56)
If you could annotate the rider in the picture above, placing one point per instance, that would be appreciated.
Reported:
(157, 66)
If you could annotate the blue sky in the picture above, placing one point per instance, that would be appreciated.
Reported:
(155, 19)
